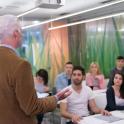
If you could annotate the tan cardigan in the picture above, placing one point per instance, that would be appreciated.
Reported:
(18, 100)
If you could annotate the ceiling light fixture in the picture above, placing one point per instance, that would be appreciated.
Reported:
(74, 14)
(27, 12)
(33, 25)
(85, 21)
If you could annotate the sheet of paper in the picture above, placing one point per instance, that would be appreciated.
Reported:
(92, 120)
(109, 119)
(42, 95)
(116, 118)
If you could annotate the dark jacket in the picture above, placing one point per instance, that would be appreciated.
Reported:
(111, 103)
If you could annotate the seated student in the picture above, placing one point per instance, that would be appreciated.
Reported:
(75, 106)
(64, 79)
(115, 93)
(119, 68)
(94, 78)
(41, 81)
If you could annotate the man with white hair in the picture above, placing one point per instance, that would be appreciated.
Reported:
(18, 100)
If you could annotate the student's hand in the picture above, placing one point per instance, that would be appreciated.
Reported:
(63, 94)
(75, 119)
(105, 112)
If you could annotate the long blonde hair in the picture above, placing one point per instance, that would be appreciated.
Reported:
(97, 65)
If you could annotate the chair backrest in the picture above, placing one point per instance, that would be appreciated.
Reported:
(101, 100)
(106, 81)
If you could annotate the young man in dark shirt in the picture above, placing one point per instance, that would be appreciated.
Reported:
(119, 68)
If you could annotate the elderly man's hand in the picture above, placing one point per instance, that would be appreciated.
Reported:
(63, 94)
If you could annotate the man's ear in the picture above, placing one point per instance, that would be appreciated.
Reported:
(15, 34)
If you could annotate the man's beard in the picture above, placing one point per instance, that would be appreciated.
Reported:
(77, 82)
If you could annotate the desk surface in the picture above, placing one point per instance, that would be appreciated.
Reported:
(93, 120)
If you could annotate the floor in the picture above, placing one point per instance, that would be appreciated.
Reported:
(52, 117)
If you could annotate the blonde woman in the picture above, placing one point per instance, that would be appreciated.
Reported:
(94, 78)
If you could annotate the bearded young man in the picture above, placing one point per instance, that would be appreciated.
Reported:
(75, 106)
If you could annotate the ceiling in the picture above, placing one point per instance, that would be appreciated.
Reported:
(17, 7)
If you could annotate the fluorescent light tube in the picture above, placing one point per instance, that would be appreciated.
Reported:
(27, 12)
(73, 14)
(85, 21)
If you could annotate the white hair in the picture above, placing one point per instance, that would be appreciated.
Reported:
(8, 24)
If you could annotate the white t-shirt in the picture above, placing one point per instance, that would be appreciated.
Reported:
(119, 101)
(77, 103)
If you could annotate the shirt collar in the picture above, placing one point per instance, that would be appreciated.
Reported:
(10, 47)
(65, 75)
